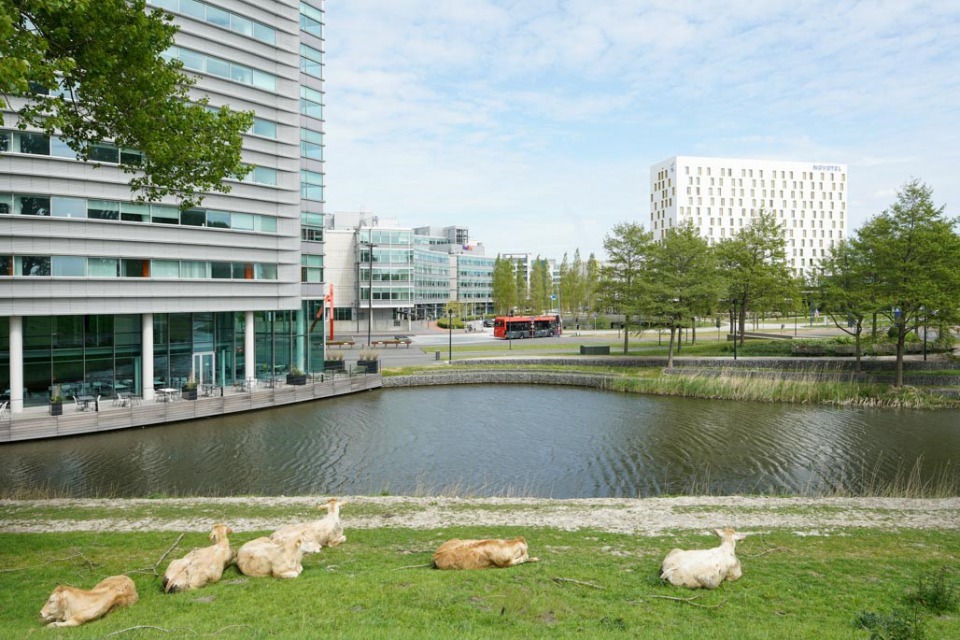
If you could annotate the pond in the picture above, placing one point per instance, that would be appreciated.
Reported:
(543, 441)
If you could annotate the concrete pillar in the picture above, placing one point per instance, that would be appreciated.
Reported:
(249, 355)
(16, 364)
(146, 342)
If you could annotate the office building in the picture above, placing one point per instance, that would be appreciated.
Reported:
(101, 294)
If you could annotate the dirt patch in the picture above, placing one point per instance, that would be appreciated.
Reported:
(647, 516)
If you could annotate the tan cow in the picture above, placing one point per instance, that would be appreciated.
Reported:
(202, 566)
(69, 606)
(325, 532)
(704, 568)
(481, 554)
(266, 557)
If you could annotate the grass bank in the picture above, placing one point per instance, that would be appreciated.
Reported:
(590, 583)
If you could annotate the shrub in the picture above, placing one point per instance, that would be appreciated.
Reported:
(896, 625)
(938, 595)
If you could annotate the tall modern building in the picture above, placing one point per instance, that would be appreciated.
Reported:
(100, 294)
(721, 195)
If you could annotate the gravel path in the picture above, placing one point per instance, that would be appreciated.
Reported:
(650, 516)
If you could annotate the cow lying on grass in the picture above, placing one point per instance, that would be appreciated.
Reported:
(481, 554)
(266, 557)
(69, 606)
(200, 567)
(325, 532)
(704, 568)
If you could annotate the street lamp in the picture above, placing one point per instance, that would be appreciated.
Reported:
(450, 329)
(369, 246)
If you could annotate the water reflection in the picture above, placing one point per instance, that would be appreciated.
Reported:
(544, 441)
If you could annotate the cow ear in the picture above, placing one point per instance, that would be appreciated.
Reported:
(229, 530)
(718, 532)
(740, 536)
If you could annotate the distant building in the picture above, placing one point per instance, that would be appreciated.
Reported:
(387, 277)
(721, 195)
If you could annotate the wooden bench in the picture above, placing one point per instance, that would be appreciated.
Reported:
(396, 343)
(341, 343)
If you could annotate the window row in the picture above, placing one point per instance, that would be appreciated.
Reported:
(311, 61)
(311, 20)
(311, 102)
(219, 17)
(196, 61)
(64, 207)
(40, 144)
(89, 267)
(311, 144)
(311, 268)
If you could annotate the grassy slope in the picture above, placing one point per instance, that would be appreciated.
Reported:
(793, 587)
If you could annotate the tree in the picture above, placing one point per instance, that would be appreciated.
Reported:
(539, 285)
(755, 264)
(92, 70)
(684, 279)
(845, 283)
(622, 283)
(912, 250)
(504, 286)
(523, 291)
(591, 283)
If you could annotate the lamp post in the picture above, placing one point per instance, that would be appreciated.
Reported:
(450, 329)
(369, 246)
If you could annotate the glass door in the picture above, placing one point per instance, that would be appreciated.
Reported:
(204, 368)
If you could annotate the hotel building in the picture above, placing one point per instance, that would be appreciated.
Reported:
(721, 195)
(100, 294)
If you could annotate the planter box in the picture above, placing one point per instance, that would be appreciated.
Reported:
(298, 379)
(370, 366)
(56, 408)
(595, 350)
(188, 394)
(333, 365)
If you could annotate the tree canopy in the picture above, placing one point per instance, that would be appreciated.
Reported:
(92, 70)
(911, 252)
(623, 286)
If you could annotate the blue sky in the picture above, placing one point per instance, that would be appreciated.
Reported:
(535, 122)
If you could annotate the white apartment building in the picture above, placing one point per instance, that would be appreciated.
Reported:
(721, 195)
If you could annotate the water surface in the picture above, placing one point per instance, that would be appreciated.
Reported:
(543, 441)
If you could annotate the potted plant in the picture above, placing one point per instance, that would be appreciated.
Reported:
(296, 376)
(333, 361)
(369, 361)
(56, 402)
(189, 390)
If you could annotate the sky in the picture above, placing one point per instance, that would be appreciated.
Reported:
(535, 122)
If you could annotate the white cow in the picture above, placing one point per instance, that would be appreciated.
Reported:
(704, 568)
(200, 567)
(325, 532)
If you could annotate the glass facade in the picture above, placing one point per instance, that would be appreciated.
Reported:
(101, 355)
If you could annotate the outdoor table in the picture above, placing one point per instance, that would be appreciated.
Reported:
(84, 402)
(166, 394)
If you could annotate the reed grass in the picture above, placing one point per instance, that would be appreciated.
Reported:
(808, 389)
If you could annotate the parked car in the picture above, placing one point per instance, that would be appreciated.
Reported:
(488, 322)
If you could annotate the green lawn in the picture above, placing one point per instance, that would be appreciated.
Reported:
(587, 585)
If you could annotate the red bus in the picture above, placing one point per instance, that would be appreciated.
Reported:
(516, 327)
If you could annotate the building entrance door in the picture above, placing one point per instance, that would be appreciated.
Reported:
(204, 368)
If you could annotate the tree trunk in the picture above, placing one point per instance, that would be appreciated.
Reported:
(670, 349)
(901, 339)
(859, 367)
(693, 335)
(626, 334)
(742, 321)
